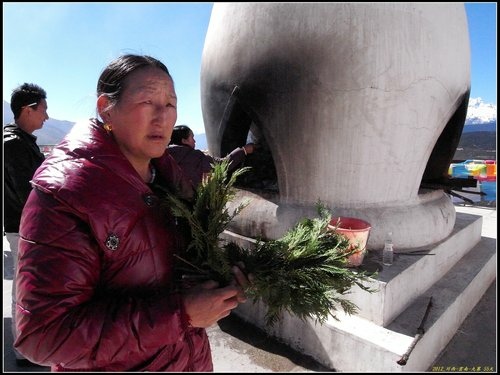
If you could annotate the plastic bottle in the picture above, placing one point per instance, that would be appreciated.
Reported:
(388, 253)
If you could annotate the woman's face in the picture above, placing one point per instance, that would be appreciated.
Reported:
(189, 141)
(143, 119)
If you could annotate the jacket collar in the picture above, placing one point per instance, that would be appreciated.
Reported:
(13, 127)
(87, 141)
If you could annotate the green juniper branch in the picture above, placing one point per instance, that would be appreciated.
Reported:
(305, 272)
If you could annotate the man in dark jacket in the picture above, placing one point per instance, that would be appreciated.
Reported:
(22, 157)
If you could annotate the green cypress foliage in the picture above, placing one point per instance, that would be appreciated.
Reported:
(304, 272)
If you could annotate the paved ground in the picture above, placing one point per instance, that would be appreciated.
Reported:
(240, 347)
(475, 343)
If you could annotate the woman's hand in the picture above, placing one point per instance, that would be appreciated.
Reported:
(205, 304)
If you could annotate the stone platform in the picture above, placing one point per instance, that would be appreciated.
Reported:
(456, 275)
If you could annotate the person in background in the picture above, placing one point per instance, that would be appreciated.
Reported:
(95, 286)
(22, 157)
(196, 163)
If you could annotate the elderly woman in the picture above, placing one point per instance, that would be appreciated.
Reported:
(95, 285)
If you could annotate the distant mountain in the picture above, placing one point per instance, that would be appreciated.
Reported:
(481, 127)
(53, 130)
(477, 145)
(478, 139)
(479, 112)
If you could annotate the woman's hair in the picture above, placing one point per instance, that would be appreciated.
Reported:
(26, 94)
(112, 78)
(179, 133)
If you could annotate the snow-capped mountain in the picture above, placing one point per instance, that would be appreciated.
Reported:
(480, 112)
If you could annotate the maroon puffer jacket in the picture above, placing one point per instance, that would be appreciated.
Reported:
(94, 281)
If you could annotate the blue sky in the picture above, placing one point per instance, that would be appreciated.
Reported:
(482, 20)
(64, 47)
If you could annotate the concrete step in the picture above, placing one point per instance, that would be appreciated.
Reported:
(354, 343)
(453, 296)
(410, 275)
